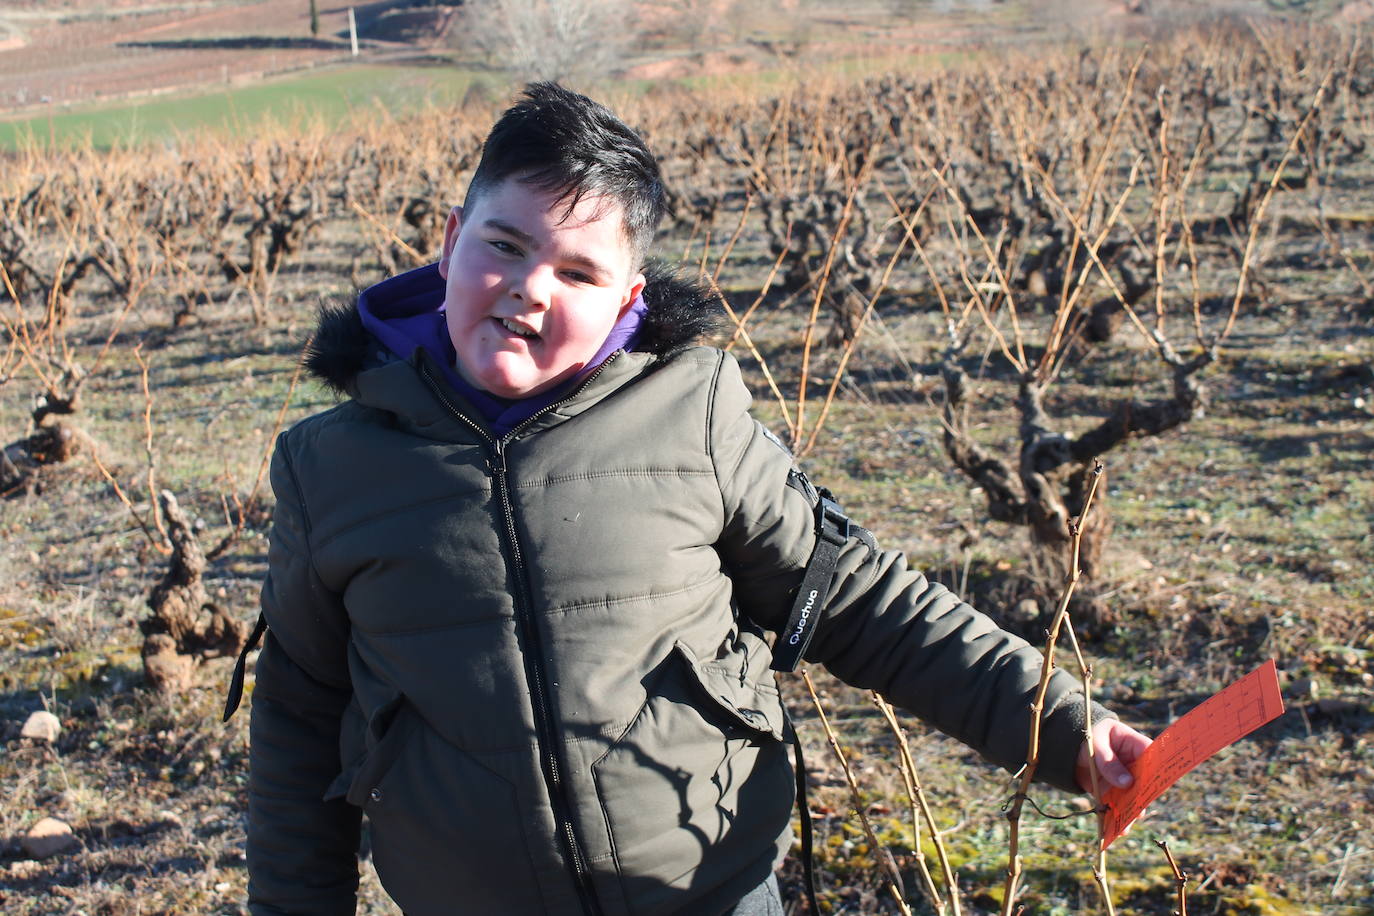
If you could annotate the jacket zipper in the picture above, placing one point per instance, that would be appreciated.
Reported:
(545, 731)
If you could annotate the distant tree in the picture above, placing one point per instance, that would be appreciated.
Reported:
(314, 20)
(549, 39)
(691, 20)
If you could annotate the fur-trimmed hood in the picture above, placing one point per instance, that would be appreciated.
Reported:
(680, 312)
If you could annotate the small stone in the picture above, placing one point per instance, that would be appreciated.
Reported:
(42, 726)
(48, 837)
(1026, 611)
(169, 817)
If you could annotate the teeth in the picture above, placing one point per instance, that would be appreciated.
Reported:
(516, 329)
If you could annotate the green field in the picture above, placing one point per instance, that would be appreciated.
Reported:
(332, 96)
(336, 96)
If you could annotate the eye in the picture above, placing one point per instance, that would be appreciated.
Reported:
(578, 277)
(503, 246)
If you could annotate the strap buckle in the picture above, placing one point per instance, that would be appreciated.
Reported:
(831, 522)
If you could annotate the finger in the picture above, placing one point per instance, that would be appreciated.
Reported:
(1130, 745)
(1108, 763)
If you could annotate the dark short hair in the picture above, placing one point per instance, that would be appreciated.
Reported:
(560, 141)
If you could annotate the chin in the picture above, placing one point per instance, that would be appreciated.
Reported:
(498, 380)
(511, 394)
(513, 390)
(516, 381)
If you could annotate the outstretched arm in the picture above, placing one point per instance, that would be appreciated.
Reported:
(884, 626)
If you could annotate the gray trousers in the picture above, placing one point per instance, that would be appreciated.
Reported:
(764, 900)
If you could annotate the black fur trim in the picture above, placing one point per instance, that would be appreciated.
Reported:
(681, 313)
(339, 349)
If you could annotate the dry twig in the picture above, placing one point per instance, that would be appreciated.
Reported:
(1180, 879)
(895, 879)
(149, 452)
(1014, 864)
(919, 805)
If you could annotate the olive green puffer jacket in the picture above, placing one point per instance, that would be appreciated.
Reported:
(539, 662)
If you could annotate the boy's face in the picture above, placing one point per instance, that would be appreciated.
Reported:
(531, 291)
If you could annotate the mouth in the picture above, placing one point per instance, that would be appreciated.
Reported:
(519, 330)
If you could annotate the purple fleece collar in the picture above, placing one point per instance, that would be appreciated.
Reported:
(406, 312)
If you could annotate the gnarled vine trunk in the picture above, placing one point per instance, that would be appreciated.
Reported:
(1046, 488)
(185, 628)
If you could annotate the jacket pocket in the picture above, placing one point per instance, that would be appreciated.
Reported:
(387, 733)
(698, 786)
(445, 826)
(755, 706)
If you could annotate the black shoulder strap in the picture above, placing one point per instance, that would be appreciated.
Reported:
(804, 816)
(833, 530)
(231, 702)
(832, 533)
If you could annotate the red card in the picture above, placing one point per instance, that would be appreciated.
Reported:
(1217, 722)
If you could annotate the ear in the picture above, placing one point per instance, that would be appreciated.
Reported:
(451, 229)
(631, 294)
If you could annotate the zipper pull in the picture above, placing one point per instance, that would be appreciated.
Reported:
(496, 461)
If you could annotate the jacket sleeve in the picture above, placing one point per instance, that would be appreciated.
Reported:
(884, 626)
(302, 850)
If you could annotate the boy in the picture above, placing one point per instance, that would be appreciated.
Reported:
(519, 581)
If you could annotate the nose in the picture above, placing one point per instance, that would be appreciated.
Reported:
(532, 287)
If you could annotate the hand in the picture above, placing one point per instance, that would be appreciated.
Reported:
(1117, 746)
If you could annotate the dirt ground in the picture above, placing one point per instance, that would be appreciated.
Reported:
(87, 52)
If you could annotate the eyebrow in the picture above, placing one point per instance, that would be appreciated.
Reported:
(591, 264)
(508, 229)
